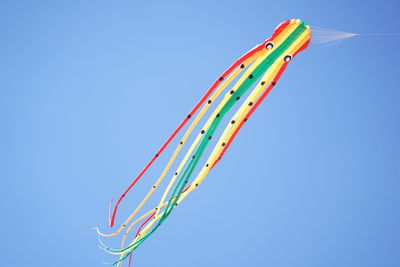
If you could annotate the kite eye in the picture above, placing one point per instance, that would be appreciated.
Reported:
(287, 58)
(269, 45)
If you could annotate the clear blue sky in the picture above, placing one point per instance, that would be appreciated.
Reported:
(90, 90)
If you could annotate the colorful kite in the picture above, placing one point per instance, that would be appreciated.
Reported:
(259, 69)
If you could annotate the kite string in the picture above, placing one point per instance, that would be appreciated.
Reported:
(380, 34)
(324, 35)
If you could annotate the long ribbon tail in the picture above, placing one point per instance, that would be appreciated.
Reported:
(181, 125)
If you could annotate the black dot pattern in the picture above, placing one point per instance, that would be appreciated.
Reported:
(251, 76)
(202, 132)
(218, 115)
(250, 104)
(176, 173)
(189, 116)
(209, 138)
(156, 155)
(207, 165)
(221, 78)
(223, 144)
(233, 122)
(262, 83)
(237, 98)
(181, 143)
(209, 101)
(154, 186)
(273, 84)
(242, 66)
(231, 92)
(269, 45)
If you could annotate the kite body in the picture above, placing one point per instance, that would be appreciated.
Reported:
(251, 78)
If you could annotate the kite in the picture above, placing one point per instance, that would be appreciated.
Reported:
(247, 81)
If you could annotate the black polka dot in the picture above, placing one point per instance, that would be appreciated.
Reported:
(123, 195)
(156, 208)
(221, 78)
(217, 115)
(219, 158)
(156, 155)
(262, 83)
(193, 156)
(242, 66)
(273, 83)
(209, 101)
(237, 98)
(196, 184)
(189, 116)
(233, 122)
(202, 132)
(154, 186)
(209, 138)
(176, 204)
(251, 76)
(250, 104)
(207, 165)
(123, 225)
(181, 143)
(245, 119)
(232, 91)
(223, 144)
(176, 173)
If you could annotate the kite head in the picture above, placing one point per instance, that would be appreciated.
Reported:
(294, 29)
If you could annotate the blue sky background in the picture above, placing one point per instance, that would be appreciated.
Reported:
(91, 89)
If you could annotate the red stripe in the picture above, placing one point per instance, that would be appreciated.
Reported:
(304, 46)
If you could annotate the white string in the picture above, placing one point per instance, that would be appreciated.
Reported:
(323, 35)
(380, 34)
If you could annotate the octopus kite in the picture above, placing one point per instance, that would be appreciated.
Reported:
(258, 70)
